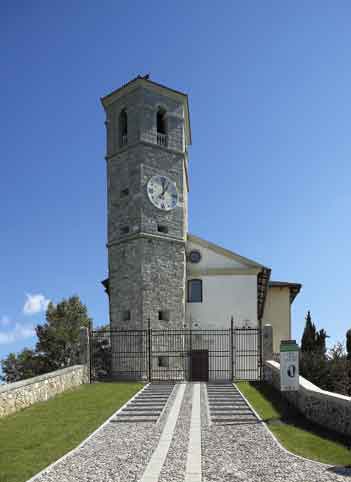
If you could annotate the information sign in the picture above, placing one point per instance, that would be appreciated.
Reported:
(289, 366)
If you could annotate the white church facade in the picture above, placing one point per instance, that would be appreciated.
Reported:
(160, 275)
(222, 285)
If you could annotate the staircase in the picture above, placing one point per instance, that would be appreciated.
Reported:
(147, 406)
(227, 406)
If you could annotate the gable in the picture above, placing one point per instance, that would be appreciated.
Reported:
(214, 257)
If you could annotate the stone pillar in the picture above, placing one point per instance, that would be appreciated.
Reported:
(84, 347)
(267, 346)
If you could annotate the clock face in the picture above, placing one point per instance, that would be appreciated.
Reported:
(162, 192)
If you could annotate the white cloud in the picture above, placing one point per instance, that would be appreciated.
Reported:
(35, 304)
(19, 332)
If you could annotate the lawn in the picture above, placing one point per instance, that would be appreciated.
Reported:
(295, 432)
(32, 439)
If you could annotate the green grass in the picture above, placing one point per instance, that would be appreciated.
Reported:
(32, 439)
(294, 431)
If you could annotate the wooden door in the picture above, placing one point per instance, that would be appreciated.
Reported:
(199, 365)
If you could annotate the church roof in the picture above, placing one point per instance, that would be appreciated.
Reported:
(225, 252)
(293, 287)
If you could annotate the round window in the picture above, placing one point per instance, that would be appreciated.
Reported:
(194, 256)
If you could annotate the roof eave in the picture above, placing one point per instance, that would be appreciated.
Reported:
(144, 82)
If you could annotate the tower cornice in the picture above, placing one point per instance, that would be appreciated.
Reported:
(139, 235)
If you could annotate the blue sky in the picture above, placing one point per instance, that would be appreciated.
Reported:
(270, 103)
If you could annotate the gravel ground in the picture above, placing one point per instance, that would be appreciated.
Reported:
(117, 453)
(173, 469)
(230, 453)
(247, 453)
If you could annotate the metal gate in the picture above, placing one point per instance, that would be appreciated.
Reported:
(160, 355)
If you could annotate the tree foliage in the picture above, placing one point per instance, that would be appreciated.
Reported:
(26, 364)
(57, 345)
(329, 370)
(313, 341)
(348, 343)
(309, 335)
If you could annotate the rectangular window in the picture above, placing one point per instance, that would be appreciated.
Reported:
(125, 230)
(195, 291)
(162, 229)
(126, 315)
(164, 315)
(125, 192)
(163, 361)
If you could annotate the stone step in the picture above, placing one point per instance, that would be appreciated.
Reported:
(142, 409)
(157, 391)
(215, 413)
(229, 390)
(135, 419)
(228, 406)
(218, 389)
(238, 415)
(229, 394)
(140, 413)
(161, 395)
(150, 398)
(225, 399)
(234, 409)
(152, 389)
(223, 395)
(150, 395)
(223, 391)
(237, 420)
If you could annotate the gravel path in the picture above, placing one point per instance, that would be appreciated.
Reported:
(245, 452)
(173, 469)
(119, 452)
(240, 452)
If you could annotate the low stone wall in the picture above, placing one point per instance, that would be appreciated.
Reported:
(327, 409)
(19, 395)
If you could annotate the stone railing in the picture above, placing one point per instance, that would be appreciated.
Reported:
(22, 394)
(162, 139)
(327, 409)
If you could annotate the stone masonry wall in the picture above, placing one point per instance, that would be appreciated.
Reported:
(327, 409)
(146, 245)
(22, 394)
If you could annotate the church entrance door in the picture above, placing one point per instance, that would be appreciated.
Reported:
(199, 365)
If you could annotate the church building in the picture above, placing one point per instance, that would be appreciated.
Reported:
(159, 273)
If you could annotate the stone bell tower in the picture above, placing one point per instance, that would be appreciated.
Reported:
(148, 133)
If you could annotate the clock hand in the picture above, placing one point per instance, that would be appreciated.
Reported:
(164, 187)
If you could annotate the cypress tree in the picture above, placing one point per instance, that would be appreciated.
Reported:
(348, 344)
(320, 344)
(308, 341)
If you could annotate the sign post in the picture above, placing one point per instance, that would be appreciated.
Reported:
(289, 366)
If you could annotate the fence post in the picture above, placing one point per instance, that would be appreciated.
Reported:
(84, 349)
(149, 337)
(190, 355)
(267, 345)
(232, 347)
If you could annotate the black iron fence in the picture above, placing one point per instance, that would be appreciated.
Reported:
(176, 354)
